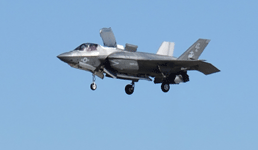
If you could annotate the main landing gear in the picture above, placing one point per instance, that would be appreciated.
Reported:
(93, 85)
(165, 87)
(129, 88)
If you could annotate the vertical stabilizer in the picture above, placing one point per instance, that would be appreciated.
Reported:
(194, 52)
(166, 48)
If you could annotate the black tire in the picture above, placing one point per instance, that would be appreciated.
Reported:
(93, 86)
(165, 87)
(129, 89)
(185, 77)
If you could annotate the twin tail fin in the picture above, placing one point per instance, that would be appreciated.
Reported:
(194, 52)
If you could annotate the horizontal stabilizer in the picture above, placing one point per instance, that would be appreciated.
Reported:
(204, 67)
(166, 48)
(207, 68)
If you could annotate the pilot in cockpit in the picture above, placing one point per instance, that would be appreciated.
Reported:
(83, 47)
(92, 47)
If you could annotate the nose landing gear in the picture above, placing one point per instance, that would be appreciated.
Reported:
(129, 88)
(93, 85)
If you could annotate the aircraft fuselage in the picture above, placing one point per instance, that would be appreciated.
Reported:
(120, 62)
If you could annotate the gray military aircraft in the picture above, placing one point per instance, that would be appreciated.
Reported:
(118, 62)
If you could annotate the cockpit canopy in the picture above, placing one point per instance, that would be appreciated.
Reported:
(87, 47)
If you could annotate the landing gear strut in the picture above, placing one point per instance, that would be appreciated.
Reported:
(129, 88)
(93, 85)
(165, 87)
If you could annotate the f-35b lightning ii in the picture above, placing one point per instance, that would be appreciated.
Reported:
(118, 62)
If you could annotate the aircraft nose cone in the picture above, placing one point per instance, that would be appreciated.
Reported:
(64, 57)
(61, 57)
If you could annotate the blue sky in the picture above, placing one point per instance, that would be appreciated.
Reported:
(45, 104)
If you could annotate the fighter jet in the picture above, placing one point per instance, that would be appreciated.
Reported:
(119, 62)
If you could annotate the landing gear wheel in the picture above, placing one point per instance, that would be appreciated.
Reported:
(165, 87)
(93, 86)
(129, 89)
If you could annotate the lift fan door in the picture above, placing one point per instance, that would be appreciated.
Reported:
(108, 37)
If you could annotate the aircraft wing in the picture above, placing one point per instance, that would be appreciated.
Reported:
(108, 37)
(177, 65)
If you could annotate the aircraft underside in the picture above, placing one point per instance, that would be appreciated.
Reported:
(130, 69)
